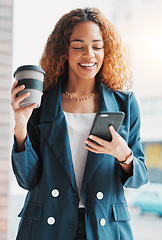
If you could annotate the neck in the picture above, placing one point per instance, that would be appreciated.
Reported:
(80, 87)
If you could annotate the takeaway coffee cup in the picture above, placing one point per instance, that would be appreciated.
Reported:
(32, 77)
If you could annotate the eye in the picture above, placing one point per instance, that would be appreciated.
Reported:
(97, 48)
(77, 48)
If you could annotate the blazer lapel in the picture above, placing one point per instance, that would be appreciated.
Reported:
(107, 103)
(55, 132)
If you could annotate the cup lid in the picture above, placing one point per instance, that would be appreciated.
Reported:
(29, 67)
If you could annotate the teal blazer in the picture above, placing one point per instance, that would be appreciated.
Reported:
(45, 169)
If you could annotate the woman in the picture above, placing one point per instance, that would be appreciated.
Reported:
(76, 186)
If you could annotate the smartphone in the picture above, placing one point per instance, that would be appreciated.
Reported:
(103, 120)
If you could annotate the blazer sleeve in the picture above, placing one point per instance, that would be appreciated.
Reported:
(140, 173)
(27, 164)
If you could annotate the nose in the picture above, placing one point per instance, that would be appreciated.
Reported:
(89, 52)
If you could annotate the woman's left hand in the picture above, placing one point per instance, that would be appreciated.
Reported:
(117, 147)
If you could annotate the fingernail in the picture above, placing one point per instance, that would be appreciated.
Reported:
(90, 136)
(86, 141)
(22, 86)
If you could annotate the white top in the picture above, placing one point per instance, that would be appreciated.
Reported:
(79, 126)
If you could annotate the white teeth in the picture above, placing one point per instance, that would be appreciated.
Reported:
(87, 64)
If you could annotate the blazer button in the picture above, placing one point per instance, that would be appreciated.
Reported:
(55, 193)
(51, 220)
(99, 195)
(102, 222)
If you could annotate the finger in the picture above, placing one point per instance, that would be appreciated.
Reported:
(94, 146)
(32, 106)
(98, 140)
(14, 85)
(15, 101)
(113, 131)
(92, 149)
(16, 90)
(23, 96)
(29, 107)
(91, 143)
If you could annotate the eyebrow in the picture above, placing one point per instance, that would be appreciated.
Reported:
(79, 40)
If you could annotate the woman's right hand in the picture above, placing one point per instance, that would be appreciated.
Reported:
(21, 114)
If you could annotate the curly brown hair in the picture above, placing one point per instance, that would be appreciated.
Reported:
(114, 72)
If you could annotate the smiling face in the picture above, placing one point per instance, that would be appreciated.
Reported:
(86, 51)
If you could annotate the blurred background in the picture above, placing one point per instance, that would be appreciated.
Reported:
(24, 29)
